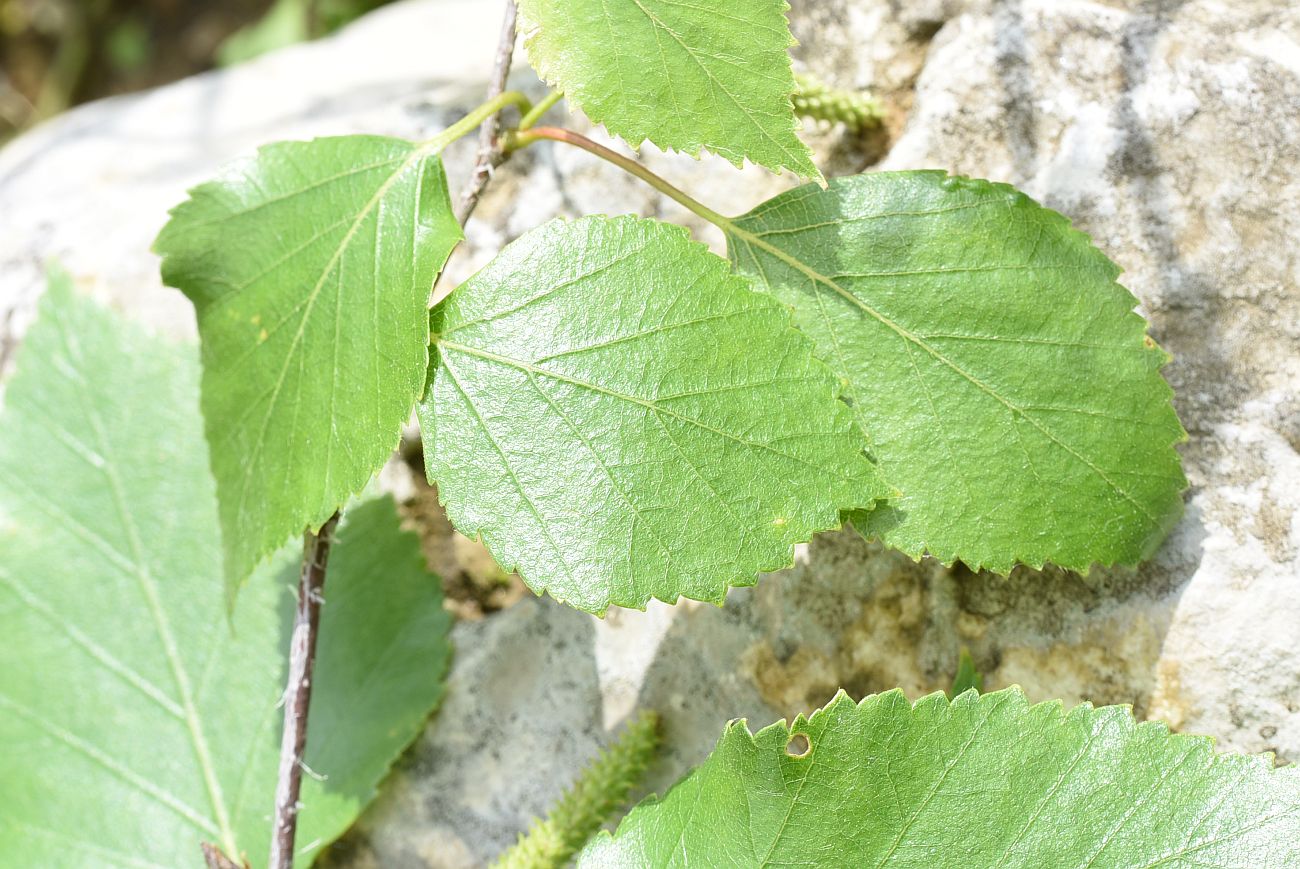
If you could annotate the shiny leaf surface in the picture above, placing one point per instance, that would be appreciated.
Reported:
(620, 417)
(1005, 384)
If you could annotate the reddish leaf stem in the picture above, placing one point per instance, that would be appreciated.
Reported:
(524, 138)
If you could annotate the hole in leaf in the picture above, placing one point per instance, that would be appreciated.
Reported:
(798, 745)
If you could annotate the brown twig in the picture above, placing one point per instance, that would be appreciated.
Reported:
(215, 858)
(297, 692)
(316, 547)
(490, 152)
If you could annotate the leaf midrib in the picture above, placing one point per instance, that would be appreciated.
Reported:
(652, 406)
(135, 567)
(416, 155)
(149, 588)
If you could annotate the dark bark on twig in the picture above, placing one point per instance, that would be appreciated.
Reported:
(297, 693)
(215, 858)
(490, 153)
(316, 547)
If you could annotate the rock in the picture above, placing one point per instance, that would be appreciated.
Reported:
(91, 188)
(1170, 131)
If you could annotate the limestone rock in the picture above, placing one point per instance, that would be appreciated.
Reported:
(1171, 133)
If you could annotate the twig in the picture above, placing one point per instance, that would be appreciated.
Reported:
(316, 547)
(490, 153)
(524, 138)
(215, 858)
(297, 693)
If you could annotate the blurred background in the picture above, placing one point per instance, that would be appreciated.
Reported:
(55, 54)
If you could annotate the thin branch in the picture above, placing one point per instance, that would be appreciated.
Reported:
(490, 153)
(297, 693)
(215, 858)
(316, 547)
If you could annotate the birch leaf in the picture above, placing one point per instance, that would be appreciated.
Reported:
(310, 267)
(1003, 380)
(136, 719)
(685, 76)
(620, 417)
(986, 780)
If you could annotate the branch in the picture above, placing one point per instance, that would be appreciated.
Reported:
(490, 153)
(316, 547)
(214, 858)
(297, 693)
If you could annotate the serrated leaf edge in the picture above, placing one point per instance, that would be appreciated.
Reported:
(739, 580)
(843, 704)
(228, 172)
(917, 554)
(737, 159)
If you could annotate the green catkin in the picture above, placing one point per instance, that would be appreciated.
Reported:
(814, 99)
(600, 790)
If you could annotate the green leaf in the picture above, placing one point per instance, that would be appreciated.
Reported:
(136, 720)
(1002, 378)
(986, 780)
(683, 75)
(310, 267)
(619, 417)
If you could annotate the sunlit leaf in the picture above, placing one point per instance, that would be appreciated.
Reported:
(136, 720)
(1004, 382)
(620, 418)
(310, 267)
(986, 780)
(685, 76)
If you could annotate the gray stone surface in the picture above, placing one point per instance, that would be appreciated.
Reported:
(91, 188)
(1170, 131)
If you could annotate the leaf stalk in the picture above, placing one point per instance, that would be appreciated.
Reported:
(477, 117)
(532, 117)
(523, 138)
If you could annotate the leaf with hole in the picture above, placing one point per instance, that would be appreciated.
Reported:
(682, 75)
(1003, 380)
(136, 720)
(310, 267)
(984, 780)
(620, 417)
